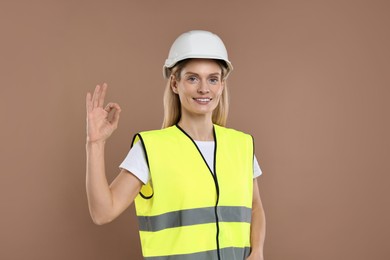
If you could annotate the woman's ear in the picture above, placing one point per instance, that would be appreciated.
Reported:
(174, 84)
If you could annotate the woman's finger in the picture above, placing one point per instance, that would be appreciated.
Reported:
(102, 95)
(96, 95)
(115, 117)
(110, 106)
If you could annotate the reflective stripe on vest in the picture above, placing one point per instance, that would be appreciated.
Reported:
(190, 217)
(226, 253)
(186, 211)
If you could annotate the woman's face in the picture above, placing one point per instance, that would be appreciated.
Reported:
(199, 88)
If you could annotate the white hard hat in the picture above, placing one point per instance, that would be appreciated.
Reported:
(196, 44)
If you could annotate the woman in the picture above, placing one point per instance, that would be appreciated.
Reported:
(193, 181)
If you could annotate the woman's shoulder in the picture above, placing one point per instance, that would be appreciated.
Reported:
(230, 131)
(158, 132)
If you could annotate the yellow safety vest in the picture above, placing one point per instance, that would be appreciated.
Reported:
(188, 213)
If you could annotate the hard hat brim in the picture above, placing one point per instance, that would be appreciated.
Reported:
(171, 63)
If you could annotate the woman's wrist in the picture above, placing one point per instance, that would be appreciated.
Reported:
(95, 143)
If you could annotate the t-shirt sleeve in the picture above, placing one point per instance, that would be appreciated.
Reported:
(135, 162)
(256, 168)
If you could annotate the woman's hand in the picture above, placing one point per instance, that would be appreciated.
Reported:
(100, 124)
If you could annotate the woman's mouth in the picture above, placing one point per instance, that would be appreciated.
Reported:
(202, 100)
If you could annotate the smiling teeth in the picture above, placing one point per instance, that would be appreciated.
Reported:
(202, 99)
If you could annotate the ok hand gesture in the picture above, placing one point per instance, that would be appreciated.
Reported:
(100, 123)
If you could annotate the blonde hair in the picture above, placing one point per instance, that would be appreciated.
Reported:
(172, 106)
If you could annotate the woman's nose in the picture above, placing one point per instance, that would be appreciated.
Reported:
(203, 88)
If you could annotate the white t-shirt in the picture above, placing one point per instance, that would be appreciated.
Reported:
(135, 161)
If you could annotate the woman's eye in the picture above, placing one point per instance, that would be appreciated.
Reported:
(213, 80)
(192, 79)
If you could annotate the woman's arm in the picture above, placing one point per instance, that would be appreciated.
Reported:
(105, 201)
(257, 225)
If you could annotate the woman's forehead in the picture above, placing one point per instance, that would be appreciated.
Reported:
(207, 66)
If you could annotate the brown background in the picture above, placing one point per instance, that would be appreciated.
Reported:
(311, 83)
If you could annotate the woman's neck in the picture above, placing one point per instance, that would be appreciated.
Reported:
(200, 129)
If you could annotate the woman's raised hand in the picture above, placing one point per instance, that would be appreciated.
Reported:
(100, 123)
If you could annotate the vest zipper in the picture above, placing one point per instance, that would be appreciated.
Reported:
(215, 181)
(217, 188)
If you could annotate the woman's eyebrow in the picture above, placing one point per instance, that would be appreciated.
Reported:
(211, 74)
